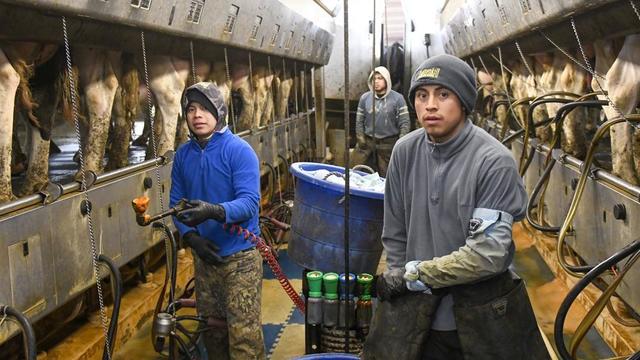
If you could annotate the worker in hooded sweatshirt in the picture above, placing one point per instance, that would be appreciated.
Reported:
(219, 175)
(376, 137)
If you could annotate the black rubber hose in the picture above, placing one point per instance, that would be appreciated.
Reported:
(29, 336)
(534, 196)
(561, 316)
(512, 137)
(116, 278)
(174, 258)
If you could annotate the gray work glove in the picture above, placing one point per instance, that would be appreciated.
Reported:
(198, 211)
(361, 141)
(391, 284)
(205, 249)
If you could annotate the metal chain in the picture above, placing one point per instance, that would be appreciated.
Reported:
(226, 68)
(524, 60)
(253, 95)
(296, 83)
(284, 74)
(193, 64)
(568, 55)
(92, 239)
(473, 64)
(485, 67)
(273, 100)
(504, 83)
(635, 9)
(529, 69)
(154, 148)
(4, 314)
(592, 72)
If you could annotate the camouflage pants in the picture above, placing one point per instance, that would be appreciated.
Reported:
(232, 291)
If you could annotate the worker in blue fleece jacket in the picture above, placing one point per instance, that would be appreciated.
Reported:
(218, 173)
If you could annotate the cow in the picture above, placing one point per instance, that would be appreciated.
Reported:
(17, 60)
(573, 79)
(622, 79)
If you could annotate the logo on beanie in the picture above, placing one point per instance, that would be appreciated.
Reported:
(429, 73)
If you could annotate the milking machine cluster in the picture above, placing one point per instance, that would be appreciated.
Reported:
(332, 309)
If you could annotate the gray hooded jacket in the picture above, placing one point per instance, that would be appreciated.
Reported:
(392, 114)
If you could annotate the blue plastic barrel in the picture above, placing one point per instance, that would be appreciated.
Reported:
(317, 223)
(329, 356)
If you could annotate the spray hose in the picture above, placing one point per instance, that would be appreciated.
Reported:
(266, 253)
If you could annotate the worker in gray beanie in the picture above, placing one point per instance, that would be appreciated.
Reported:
(450, 72)
(452, 194)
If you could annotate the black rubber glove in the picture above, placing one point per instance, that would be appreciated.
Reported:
(205, 249)
(198, 211)
(390, 284)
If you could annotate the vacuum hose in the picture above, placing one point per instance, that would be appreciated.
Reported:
(27, 330)
(170, 275)
(266, 253)
(116, 286)
(558, 327)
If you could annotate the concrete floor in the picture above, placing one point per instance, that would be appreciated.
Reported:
(283, 326)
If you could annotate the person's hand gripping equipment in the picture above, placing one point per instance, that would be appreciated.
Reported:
(412, 276)
(391, 284)
(197, 211)
(205, 249)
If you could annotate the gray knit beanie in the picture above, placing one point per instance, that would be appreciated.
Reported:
(450, 72)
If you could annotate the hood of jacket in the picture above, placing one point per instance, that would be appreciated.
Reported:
(387, 77)
(211, 92)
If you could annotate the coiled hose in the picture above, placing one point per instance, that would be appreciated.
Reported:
(116, 286)
(266, 253)
(561, 316)
(29, 336)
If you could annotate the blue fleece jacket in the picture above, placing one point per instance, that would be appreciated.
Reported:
(225, 172)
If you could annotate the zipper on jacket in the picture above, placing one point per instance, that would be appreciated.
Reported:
(434, 197)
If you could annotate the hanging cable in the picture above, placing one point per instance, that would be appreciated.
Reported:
(230, 83)
(84, 189)
(593, 73)
(194, 77)
(167, 238)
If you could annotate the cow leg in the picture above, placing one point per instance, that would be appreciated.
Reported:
(9, 81)
(246, 117)
(168, 80)
(182, 132)
(100, 83)
(18, 158)
(119, 151)
(38, 171)
(268, 109)
(37, 174)
(125, 109)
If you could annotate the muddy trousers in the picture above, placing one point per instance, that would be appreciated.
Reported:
(232, 291)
